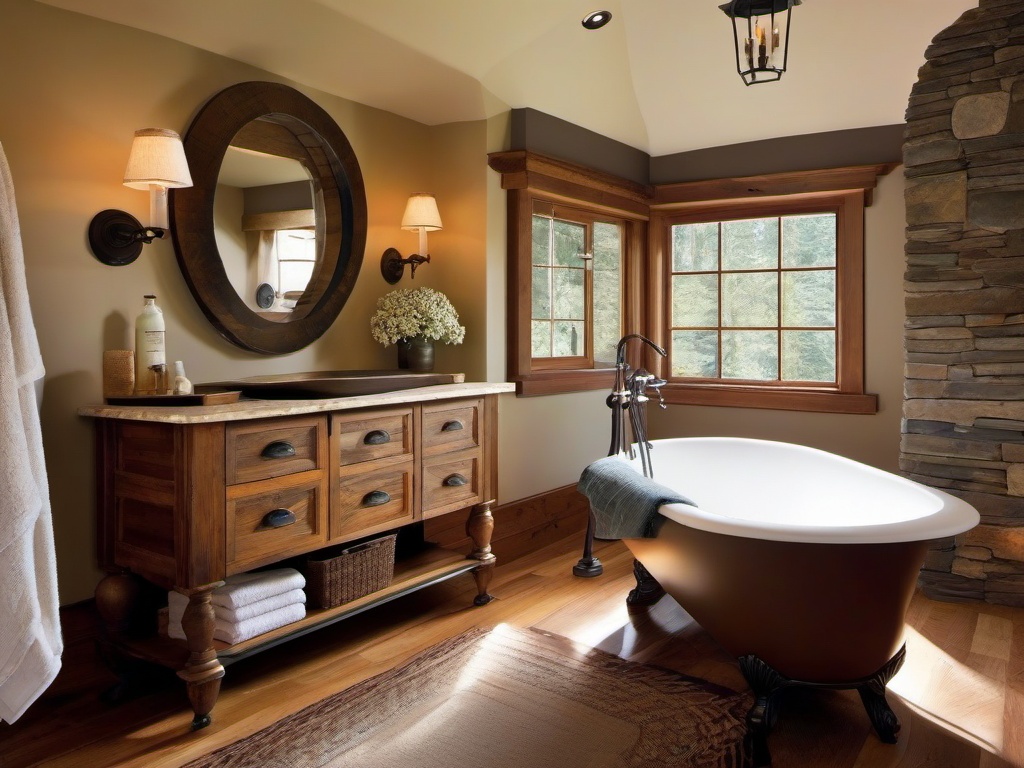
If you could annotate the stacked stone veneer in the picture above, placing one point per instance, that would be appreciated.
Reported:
(964, 399)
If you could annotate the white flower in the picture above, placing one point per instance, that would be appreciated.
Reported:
(405, 313)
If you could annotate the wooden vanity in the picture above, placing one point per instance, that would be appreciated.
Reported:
(190, 495)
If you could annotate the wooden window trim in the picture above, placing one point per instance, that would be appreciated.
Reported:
(530, 179)
(848, 395)
(527, 176)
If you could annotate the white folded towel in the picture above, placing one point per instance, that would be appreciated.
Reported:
(176, 603)
(236, 632)
(244, 588)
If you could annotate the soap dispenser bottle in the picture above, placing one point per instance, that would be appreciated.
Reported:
(150, 354)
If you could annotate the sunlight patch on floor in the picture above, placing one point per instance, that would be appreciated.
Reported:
(595, 629)
(962, 699)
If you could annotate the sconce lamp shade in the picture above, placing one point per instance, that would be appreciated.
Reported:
(156, 163)
(421, 213)
(420, 216)
(157, 159)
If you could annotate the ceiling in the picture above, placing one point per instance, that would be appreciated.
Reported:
(660, 77)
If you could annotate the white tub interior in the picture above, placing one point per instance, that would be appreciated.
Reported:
(781, 491)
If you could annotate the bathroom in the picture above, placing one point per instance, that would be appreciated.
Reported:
(92, 80)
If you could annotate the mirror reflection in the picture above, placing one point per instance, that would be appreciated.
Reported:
(269, 216)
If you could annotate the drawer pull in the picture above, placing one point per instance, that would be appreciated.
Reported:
(377, 437)
(451, 426)
(279, 449)
(454, 481)
(376, 498)
(278, 518)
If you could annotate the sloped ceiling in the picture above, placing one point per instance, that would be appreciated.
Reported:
(660, 77)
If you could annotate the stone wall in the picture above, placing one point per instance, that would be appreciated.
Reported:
(964, 400)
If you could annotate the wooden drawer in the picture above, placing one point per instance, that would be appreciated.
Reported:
(375, 435)
(451, 482)
(451, 427)
(373, 501)
(260, 450)
(299, 511)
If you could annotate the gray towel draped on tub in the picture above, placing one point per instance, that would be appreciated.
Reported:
(624, 502)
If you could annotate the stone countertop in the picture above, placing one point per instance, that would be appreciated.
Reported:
(265, 409)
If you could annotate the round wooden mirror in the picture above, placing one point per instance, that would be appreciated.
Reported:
(271, 235)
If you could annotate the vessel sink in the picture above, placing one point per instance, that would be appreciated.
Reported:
(314, 384)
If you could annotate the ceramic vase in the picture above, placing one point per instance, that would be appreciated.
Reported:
(416, 354)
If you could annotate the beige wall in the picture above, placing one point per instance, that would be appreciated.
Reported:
(872, 439)
(74, 90)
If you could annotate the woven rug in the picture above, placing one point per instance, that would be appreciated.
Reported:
(507, 698)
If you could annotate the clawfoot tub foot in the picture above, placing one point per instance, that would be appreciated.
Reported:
(766, 684)
(647, 590)
(872, 693)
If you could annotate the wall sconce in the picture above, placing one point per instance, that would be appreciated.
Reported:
(420, 214)
(156, 163)
(760, 59)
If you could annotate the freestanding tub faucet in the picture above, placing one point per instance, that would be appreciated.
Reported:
(629, 429)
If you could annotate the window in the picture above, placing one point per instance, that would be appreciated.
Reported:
(754, 285)
(577, 239)
(755, 299)
(295, 254)
(764, 303)
(575, 288)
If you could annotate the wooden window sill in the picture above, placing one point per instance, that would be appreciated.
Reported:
(555, 382)
(817, 401)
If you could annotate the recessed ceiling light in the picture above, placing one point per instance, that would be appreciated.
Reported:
(596, 19)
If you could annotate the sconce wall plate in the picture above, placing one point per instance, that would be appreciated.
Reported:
(392, 265)
(116, 237)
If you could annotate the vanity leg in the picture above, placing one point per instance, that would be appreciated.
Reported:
(125, 611)
(120, 602)
(479, 528)
(203, 671)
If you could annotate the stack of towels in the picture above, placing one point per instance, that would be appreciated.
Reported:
(248, 604)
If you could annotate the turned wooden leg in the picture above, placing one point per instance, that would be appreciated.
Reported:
(647, 590)
(123, 601)
(203, 671)
(479, 528)
(120, 602)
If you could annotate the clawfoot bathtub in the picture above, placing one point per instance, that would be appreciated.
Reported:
(799, 562)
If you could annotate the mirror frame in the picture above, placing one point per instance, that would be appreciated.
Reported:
(192, 222)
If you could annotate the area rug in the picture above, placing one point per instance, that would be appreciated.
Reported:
(507, 698)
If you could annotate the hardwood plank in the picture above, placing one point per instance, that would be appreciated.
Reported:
(953, 694)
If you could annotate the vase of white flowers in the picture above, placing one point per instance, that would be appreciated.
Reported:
(413, 320)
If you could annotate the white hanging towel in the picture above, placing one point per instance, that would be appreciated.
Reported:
(30, 640)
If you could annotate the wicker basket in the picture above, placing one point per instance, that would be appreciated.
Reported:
(353, 573)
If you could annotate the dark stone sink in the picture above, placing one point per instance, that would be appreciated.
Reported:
(316, 384)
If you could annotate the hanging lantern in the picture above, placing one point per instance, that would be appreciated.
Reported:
(761, 34)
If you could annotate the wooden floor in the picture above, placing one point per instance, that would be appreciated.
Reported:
(960, 695)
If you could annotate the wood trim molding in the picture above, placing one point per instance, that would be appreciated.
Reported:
(830, 180)
(522, 169)
(521, 526)
(817, 401)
